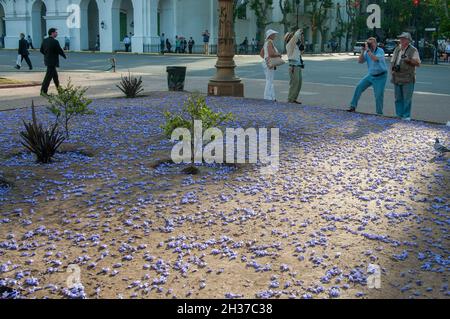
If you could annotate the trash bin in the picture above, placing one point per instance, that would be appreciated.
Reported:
(175, 77)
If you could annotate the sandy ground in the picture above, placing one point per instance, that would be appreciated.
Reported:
(352, 190)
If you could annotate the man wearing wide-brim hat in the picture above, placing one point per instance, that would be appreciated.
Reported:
(295, 64)
(404, 61)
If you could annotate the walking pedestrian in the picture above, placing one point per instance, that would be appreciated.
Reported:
(182, 45)
(23, 53)
(168, 46)
(268, 52)
(376, 77)
(206, 36)
(66, 43)
(127, 42)
(254, 46)
(404, 61)
(51, 50)
(177, 44)
(244, 46)
(162, 41)
(447, 51)
(191, 44)
(292, 41)
(97, 43)
(30, 42)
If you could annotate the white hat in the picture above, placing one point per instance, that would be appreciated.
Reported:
(405, 35)
(270, 32)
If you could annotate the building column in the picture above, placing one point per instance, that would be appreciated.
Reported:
(175, 18)
(213, 22)
(106, 33)
(152, 26)
(139, 17)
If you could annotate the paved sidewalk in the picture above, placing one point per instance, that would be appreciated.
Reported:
(103, 85)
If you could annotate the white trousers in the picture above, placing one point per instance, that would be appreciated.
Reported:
(269, 91)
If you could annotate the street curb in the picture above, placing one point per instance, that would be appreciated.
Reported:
(19, 85)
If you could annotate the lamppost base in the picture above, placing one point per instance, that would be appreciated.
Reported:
(221, 88)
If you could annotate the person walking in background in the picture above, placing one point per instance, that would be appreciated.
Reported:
(183, 45)
(30, 42)
(295, 64)
(162, 43)
(177, 44)
(404, 61)
(191, 44)
(51, 50)
(97, 43)
(244, 46)
(66, 43)
(127, 42)
(376, 77)
(447, 51)
(23, 53)
(206, 36)
(269, 51)
(168, 46)
(254, 46)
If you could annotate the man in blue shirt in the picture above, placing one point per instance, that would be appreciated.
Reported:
(376, 77)
(206, 36)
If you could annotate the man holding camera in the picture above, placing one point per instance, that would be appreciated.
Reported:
(293, 47)
(377, 76)
(404, 61)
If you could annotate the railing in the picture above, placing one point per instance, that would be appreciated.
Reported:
(196, 49)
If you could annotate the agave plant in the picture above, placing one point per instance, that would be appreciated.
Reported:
(130, 85)
(41, 142)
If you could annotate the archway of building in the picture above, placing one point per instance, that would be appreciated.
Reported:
(38, 22)
(122, 22)
(90, 25)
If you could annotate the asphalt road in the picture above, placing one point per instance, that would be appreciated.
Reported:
(328, 79)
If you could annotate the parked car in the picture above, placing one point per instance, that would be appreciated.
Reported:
(390, 46)
(357, 47)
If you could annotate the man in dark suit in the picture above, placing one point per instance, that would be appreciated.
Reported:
(23, 52)
(51, 49)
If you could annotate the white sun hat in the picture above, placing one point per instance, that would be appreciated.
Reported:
(270, 32)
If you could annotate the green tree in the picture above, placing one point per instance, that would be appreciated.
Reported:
(318, 11)
(69, 102)
(261, 8)
(286, 8)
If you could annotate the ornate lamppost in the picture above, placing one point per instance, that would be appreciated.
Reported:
(225, 82)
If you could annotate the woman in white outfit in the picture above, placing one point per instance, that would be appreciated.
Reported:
(269, 51)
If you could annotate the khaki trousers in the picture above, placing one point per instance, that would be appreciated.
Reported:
(295, 82)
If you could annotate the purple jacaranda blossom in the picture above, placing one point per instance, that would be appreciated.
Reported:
(76, 292)
(32, 281)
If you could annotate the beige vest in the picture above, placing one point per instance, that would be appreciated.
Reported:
(407, 73)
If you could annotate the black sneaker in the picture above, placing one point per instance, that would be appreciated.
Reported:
(351, 109)
(17, 67)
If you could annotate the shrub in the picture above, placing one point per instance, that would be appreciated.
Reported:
(41, 142)
(130, 85)
(67, 103)
(195, 108)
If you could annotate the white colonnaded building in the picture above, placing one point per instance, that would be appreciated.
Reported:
(103, 24)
